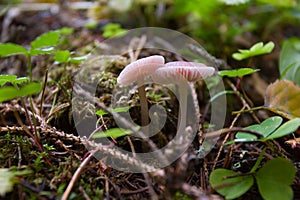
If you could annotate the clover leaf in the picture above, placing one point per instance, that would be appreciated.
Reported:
(238, 72)
(274, 179)
(256, 49)
(268, 129)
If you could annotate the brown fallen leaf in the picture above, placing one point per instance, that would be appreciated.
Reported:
(283, 98)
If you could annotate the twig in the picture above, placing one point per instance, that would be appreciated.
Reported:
(229, 130)
(77, 174)
(24, 128)
(107, 187)
(245, 104)
(86, 196)
(223, 142)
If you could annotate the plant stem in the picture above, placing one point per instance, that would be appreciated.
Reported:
(29, 67)
(144, 103)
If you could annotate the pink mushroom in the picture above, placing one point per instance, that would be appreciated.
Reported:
(181, 72)
(137, 71)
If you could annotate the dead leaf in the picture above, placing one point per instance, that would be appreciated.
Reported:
(283, 98)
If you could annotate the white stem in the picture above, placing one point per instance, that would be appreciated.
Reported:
(182, 107)
(144, 103)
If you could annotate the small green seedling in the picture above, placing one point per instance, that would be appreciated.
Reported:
(238, 72)
(113, 30)
(255, 50)
(20, 87)
(269, 129)
(64, 56)
(113, 132)
(115, 110)
(6, 78)
(43, 44)
(273, 180)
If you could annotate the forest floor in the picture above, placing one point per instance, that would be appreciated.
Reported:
(49, 159)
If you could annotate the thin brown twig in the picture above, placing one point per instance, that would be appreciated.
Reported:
(231, 130)
(77, 174)
(244, 102)
(24, 128)
(225, 140)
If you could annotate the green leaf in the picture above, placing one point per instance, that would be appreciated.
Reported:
(45, 40)
(9, 177)
(256, 49)
(113, 132)
(280, 3)
(289, 60)
(113, 30)
(115, 110)
(79, 59)
(234, 2)
(10, 92)
(62, 56)
(9, 49)
(42, 51)
(29, 89)
(287, 128)
(65, 31)
(266, 128)
(5, 78)
(238, 72)
(270, 125)
(21, 80)
(6, 181)
(249, 136)
(231, 188)
(274, 179)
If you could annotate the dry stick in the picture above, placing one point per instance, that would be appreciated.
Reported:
(146, 176)
(77, 174)
(242, 100)
(245, 105)
(225, 139)
(24, 128)
(86, 196)
(229, 130)
(107, 187)
(108, 151)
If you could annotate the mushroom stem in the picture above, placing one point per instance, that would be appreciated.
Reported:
(144, 103)
(182, 107)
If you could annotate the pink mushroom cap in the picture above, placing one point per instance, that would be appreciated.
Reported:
(139, 69)
(182, 71)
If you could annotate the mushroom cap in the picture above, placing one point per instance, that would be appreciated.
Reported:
(140, 69)
(182, 71)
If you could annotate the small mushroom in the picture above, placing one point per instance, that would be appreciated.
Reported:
(181, 72)
(137, 71)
